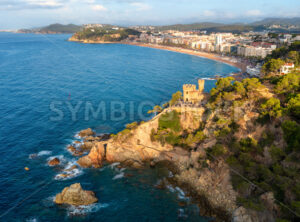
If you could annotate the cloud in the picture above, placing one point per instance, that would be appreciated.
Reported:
(139, 6)
(209, 13)
(31, 4)
(44, 3)
(254, 13)
(99, 8)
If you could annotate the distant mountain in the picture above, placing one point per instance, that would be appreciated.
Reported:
(278, 21)
(59, 28)
(53, 29)
(212, 27)
(188, 27)
(273, 24)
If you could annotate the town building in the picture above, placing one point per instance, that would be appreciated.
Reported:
(286, 68)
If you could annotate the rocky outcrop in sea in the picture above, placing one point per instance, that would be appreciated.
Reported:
(75, 195)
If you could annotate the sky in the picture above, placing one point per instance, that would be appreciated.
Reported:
(16, 14)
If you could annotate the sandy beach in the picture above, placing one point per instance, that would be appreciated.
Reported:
(241, 66)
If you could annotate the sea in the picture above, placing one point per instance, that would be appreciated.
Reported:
(50, 90)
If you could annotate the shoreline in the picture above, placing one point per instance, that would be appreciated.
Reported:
(207, 55)
(211, 56)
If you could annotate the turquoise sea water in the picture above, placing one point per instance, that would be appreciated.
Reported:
(43, 78)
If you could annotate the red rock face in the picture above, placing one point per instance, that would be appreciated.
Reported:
(97, 155)
(54, 162)
(86, 132)
(95, 158)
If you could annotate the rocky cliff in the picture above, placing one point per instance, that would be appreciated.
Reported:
(234, 154)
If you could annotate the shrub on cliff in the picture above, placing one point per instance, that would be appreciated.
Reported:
(175, 98)
(272, 66)
(216, 151)
(132, 125)
(170, 120)
(293, 106)
(291, 131)
(271, 108)
(289, 83)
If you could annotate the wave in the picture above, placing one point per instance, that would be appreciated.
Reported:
(83, 210)
(206, 78)
(39, 154)
(113, 165)
(118, 176)
(170, 188)
(181, 194)
(71, 170)
(33, 219)
(181, 213)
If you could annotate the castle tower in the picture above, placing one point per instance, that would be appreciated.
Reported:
(201, 84)
(191, 94)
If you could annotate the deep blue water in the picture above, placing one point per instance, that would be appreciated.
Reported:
(42, 77)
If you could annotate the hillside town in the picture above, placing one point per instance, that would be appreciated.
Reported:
(250, 48)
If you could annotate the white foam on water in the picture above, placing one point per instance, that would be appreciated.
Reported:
(181, 194)
(181, 213)
(208, 78)
(113, 165)
(77, 136)
(33, 219)
(122, 169)
(170, 188)
(67, 173)
(41, 153)
(44, 153)
(118, 176)
(83, 210)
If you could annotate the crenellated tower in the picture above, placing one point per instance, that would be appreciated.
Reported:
(193, 95)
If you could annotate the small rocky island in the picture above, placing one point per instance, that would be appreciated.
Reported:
(104, 35)
(75, 195)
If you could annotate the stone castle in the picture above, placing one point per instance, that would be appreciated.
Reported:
(193, 95)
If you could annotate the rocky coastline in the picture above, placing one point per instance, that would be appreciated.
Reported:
(89, 41)
(210, 187)
(207, 180)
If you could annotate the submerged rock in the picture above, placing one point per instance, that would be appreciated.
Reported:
(53, 162)
(71, 148)
(75, 195)
(86, 132)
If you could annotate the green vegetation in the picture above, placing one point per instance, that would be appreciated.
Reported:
(271, 162)
(271, 108)
(105, 34)
(273, 66)
(288, 84)
(59, 28)
(216, 151)
(170, 121)
(175, 98)
(291, 131)
(156, 109)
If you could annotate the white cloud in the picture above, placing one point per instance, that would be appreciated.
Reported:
(254, 12)
(89, 1)
(99, 8)
(209, 13)
(141, 6)
(44, 3)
